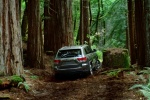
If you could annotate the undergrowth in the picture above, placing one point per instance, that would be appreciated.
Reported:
(24, 85)
(144, 88)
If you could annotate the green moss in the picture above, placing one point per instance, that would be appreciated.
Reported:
(1, 82)
(117, 58)
(126, 63)
(16, 78)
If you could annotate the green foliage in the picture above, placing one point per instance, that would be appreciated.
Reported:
(1, 82)
(16, 79)
(146, 70)
(113, 73)
(112, 23)
(126, 60)
(25, 86)
(34, 77)
(143, 88)
(25, 39)
(100, 55)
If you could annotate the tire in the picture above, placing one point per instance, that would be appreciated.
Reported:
(98, 65)
(57, 76)
(90, 70)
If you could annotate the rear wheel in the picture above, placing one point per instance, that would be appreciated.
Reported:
(98, 65)
(57, 76)
(90, 70)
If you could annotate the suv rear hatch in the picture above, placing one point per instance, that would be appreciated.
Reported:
(69, 59)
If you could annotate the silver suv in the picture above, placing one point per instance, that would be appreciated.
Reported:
(74, 59)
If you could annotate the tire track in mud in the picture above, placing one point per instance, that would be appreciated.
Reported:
(96, 87)
(114, 90)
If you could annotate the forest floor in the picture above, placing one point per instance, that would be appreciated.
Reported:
(43, 86)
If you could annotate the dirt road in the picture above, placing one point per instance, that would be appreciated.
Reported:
(43, 86)
(97, 87)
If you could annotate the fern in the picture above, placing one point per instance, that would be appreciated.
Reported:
(146, 93)
(143, 88)
(26, 86)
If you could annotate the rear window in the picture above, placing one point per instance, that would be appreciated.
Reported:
(69, 53)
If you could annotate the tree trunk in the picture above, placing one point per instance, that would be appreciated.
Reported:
(24, 26)
(66, 22)
(35, 43)
(147, 22)
(84, 21)
(132, 45)
(10, 38)
(49, 30)
(140, 32)
(58, 24)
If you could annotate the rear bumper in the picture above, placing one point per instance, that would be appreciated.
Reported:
(80, 69)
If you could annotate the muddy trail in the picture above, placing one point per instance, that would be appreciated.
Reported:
(96, 87)
(43, 86)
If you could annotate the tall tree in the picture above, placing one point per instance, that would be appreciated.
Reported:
(147, 31)
(50, 20)
(24, 26)
(140, 31)
(132, 45)
(137, 35)
(66, 22)
(84, 22)
(35, 43)
(10, 38)
(58, 24)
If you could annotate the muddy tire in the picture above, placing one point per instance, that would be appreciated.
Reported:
(90, 70)
(98, 65)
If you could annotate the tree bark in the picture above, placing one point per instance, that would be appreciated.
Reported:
(24, 26)
(66, 22)
(35, 43)
(132, 45)
(84, 22)
(147, 22)
(140, 32)
(58, 25)
(10, 38)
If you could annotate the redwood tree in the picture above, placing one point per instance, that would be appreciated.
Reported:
(147, 24)
(24, 26)
(137, 32)
(84, 22)
(10, 38)
(58, 30)
(35, 43)
(131, 39)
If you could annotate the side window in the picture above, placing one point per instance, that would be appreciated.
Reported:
(88, 50)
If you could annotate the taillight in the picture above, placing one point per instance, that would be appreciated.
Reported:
(83, 59)
(56, 61)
